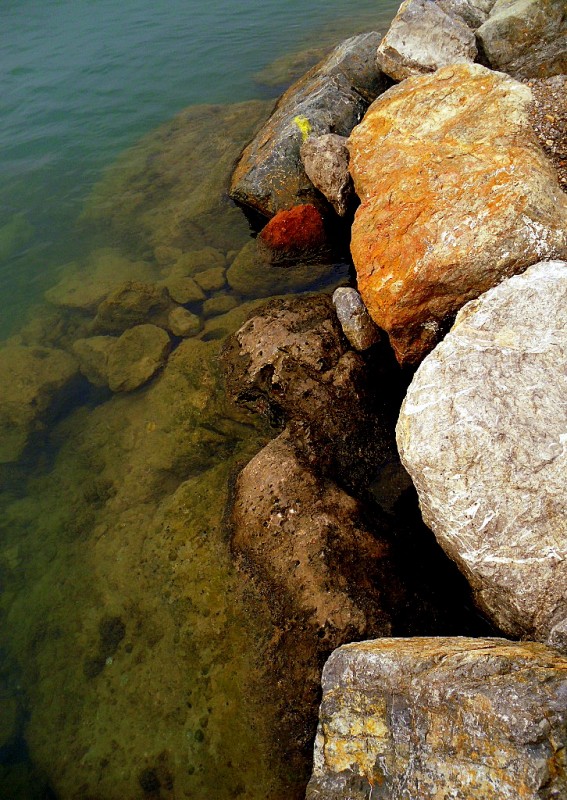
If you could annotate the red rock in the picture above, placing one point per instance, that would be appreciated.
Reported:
(295, 231)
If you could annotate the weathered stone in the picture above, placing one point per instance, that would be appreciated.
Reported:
(133, 303)
(211, 280)
(325, 159)
(548, 115)
(9, 714)
(438, 718)
(219, 304)
(182, 322)
(526, 38)
(482, 434)
(456, 195)
(184, 290)
(355, 320)
(472, 12)
(295, 233)
(423, 38)
(332, 97)
(198, 262)
(136, 357)
(92, 354)
(33, 380)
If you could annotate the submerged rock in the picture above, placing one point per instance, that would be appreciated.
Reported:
(294, 234)
(133, 303)
(184, 290)
(331, 98)
(456, 194)
(355, 320)
(448, 717)
(482, 434)
(212, 279)
(423, 38)
(33, 382)
(136, 356)
(548, 115)
(92, 354)
(325, 159)
(182, 322)
(526, 38)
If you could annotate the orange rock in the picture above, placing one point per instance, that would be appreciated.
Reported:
(456, 195)
(295, 231)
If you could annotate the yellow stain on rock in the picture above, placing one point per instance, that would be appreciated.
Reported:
(304, 126)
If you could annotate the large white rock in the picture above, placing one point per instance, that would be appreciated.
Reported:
(483, 434)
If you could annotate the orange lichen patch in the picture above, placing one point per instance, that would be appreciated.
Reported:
(301, 228)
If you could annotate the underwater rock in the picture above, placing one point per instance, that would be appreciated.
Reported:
(196, 262)
(183, 290)
(526, 38)
(482, 434)
(325, 159)
(182, 322)
(422, 38)
(355, 320)
(456, 195)
(481, 718)
(33, 381)
(331, 98)
(298, 233)
(219, 304)
(211, 280)
(92, 354)
(136, 356)
(133, 303)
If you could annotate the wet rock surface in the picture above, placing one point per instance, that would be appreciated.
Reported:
(298, 233)
(355, 320)
(423, 38)
(456, 195)
(325, 159)
(526, 38)
(478, 717)
(132, 303)
(481, 433)
(331, 98)
(136, 356)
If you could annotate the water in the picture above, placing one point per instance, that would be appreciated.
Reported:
(132, 655)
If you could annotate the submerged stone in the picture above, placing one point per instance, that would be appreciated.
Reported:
(92, 354)
(136, 356)
(184, 290)
(133, 303)
(212, 279)
(182, 322)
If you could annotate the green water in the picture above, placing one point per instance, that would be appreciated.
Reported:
(134, 661)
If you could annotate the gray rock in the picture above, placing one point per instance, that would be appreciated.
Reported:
(136, 357)
(482, 432)
(422, 38)
(92, 354)
(355, 320)
(325, 159)
(469, 719)
(332, 97)
(183, 323)
(526, 38)
(472, 12)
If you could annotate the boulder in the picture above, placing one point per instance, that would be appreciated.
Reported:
(456, 195)
(325, 159)
(219, 304)
(197, 262)
(355, 320)
(436, 718)
(34, 381)
(212, 279)
(184, 290)
(482, 435)
(133, 303)
(182, 322)
(526, 38)
(330, 98)
(294, 234)
(423, 38)
(92, 354)
(136, 357)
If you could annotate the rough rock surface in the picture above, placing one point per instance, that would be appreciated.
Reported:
(456, 195)
(423, 38)
(548, 115)
(331, 98)
(92, 354)
(133, 303)
(526, 38)
(136, 357)
(482, 432)
(325, 159)
(433, 718)
(472, 12)
(32, 381)
(184, 289)
(294, 233)
(355, 320)
(182, 322)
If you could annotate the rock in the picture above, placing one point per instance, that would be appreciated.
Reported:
(355, 320)
(482, 434)
(472, 12)
(526, 38)
(184, 290)
(183, 323)
(92, 354)
(133, 303)
(211, 280)
(548, 115)
(33, 383)
(422, 38)
(136, 356)
(198, 262)
(219, 304)
(294, 234)
(253, 274)
(448, 717)
(325, 159)
(456, 195)
(332, 97)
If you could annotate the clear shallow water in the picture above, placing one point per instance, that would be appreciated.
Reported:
(131, 656)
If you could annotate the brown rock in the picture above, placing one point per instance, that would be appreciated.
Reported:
(92, 354)
(468, 719)
(325, 159)
(133, 303)
(294, 233)
(136, 357)
(456, 194)
(355, 320)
